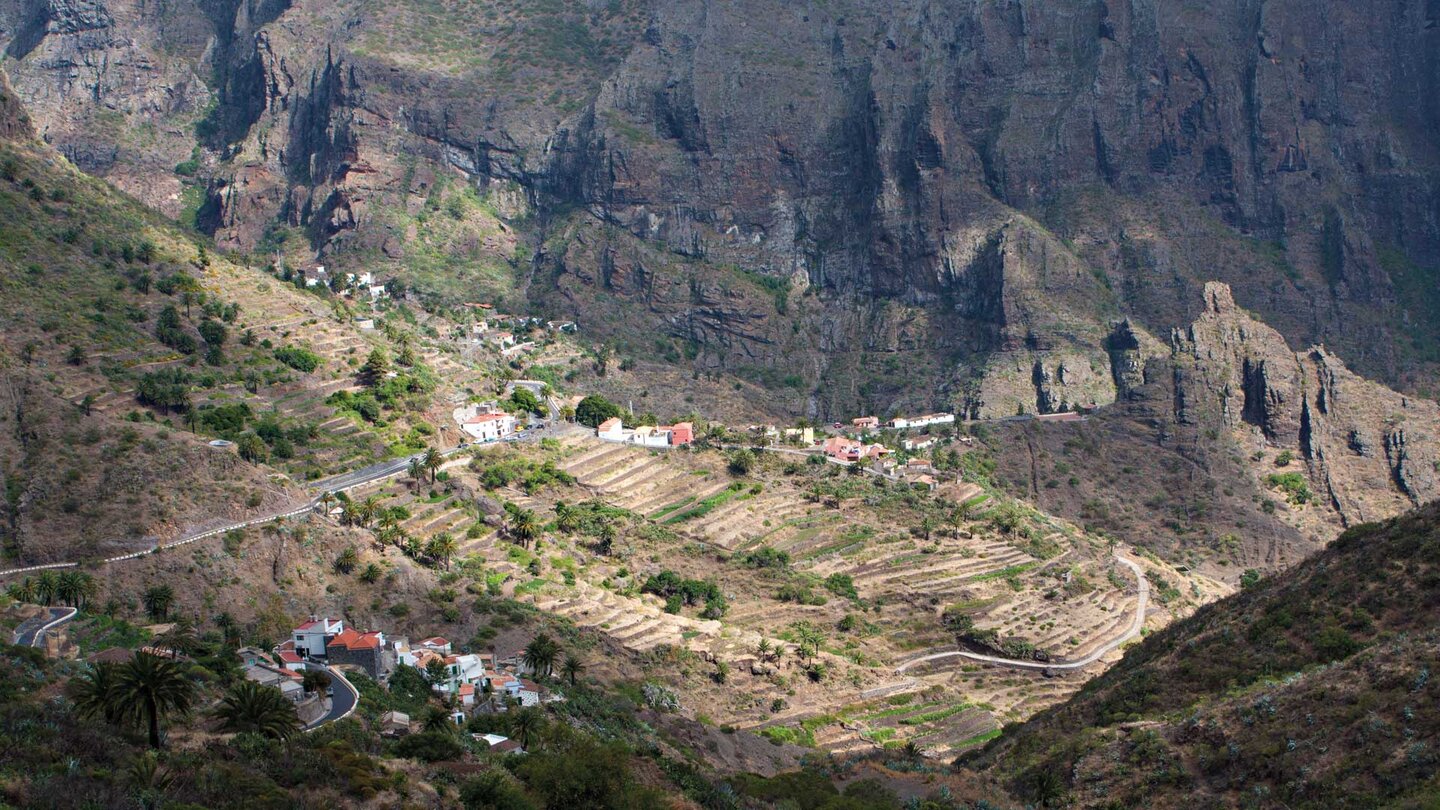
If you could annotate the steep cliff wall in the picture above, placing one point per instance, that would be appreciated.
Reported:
(1370, 452)
(977, 192)
(14, 122)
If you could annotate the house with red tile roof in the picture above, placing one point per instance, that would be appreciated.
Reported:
(842, 448)
(289, 660)
(365, 650)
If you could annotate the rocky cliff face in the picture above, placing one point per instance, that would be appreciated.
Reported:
(976, 192)
(1370, 451)
(14, 123)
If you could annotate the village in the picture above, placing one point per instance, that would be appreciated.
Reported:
(858, 445)
(323, 650)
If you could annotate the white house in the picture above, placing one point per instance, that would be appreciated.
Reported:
(613, 430)
(650, 436)
(311, 636)
(918, 444)
(484, 423)
(489, 427)
(377, 291)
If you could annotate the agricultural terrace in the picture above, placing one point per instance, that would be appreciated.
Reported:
(775, 583)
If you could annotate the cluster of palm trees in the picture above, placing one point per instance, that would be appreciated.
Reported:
(73, 588)
(429, 461)
(521, 525)
(542, 654)
(142, 691)
(571, 519)
(148, 689)
(158, 600)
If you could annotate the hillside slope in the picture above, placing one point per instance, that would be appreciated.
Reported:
(1313, 689)
(127, 347)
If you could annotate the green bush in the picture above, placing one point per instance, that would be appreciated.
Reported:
(297, 358)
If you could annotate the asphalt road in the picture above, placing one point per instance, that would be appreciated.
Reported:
(1136, 624)
(350, 480)
(342, 704)
(31, 631)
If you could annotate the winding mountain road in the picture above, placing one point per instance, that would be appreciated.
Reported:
(342, 703)
(1136, 624)
(339, 483)
(31, 631)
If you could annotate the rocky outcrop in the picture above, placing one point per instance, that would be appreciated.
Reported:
(14, 123)
(1369, 452)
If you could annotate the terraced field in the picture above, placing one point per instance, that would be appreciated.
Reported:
(1065, 604)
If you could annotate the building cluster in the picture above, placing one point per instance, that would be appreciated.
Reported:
(349, 285)
(503, 332)
(679, 434)
(467, 681)
(903, 422)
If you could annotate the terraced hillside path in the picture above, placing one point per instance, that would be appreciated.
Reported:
(1136, 624)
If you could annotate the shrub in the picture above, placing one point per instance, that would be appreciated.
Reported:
(430, 746)
(595, 409)
(1294, 485)
(297, 358)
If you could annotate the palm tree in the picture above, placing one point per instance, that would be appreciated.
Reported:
(74, 588)
(388, 519)
(524, 527)
(148, 780)
(347, 560)
(608, 535)
(46, 587)
(158, 600)
(93, 692)
(526, 723)
(368, 510)
(763, 650)
(149, 687)
(957, 518)
(567, 518)
(23, 591)
(810, 638)
(417, 468)
(433, 461)
(441, 548)
(437, 719)
(350, 514)
(540, 654)
(327, 502)
(572, 668)
(927, 527)
(229, 628)
(180, 639)
(253, 707)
